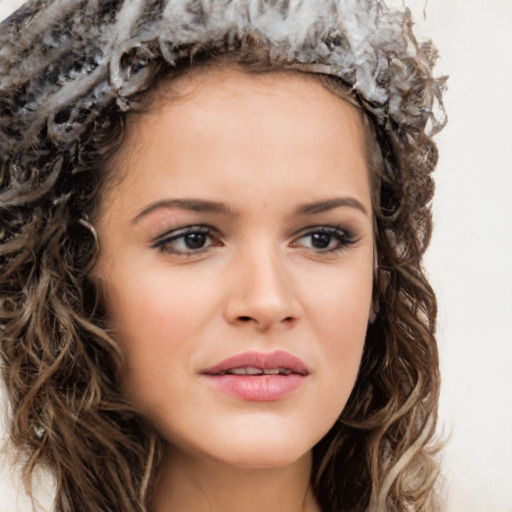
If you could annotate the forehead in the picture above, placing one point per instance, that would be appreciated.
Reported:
(224, 125)
(223, 84)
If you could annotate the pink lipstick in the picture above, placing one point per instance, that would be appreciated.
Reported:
(256, 376)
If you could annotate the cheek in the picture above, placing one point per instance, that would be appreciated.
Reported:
(156, 301)
(339, 312)
(155, 316)
(339, 301)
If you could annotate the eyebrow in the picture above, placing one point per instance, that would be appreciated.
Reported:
(194, 205)
(329, 204)
(202, 205)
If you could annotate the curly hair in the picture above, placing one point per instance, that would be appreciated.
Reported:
(70, 74)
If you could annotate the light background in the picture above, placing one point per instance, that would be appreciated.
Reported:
(470, 259)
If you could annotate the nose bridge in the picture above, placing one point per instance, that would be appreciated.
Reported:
(262, 291)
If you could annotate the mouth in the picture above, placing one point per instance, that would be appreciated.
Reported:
(259, 377)
(258, 363)
(255, 372)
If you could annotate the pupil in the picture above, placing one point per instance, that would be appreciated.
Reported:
(321, 240)
(195, 240)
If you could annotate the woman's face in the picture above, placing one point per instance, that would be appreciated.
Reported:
(236, 263)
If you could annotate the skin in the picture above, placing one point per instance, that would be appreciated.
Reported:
(263, 146)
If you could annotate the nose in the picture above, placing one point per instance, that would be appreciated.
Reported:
(262, 293)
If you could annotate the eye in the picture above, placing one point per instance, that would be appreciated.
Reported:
(325, 239)
(187, 241)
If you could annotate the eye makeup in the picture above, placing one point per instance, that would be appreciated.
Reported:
(199, 239)
(326, 239)
(188, 240)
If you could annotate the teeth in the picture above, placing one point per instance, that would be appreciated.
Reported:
(251, 370)
(248, 370)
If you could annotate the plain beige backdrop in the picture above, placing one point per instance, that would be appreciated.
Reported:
(470, 259)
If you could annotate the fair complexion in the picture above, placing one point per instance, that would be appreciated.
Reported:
(241, 223)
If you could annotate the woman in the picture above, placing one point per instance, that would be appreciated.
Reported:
(213, 218)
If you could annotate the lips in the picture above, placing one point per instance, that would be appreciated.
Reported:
(258, 377)
(258, 363)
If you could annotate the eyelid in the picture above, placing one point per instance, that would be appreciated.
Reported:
(331, 228)
(171, 235)
(184, 230)
(344, 235)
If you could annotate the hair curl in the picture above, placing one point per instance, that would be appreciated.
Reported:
(70, 73)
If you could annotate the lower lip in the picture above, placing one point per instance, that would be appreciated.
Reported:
(261, 388)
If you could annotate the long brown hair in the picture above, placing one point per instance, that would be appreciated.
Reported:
(62, 120)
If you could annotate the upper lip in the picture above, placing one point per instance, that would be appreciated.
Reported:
(277, 359)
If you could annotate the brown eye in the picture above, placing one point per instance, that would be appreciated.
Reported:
(195, 240)
(325, 239)
(321, 240)
(186, 241)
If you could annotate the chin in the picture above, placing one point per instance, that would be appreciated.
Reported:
(258, 449)
(262, 458)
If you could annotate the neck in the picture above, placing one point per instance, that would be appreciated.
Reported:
(192, 484)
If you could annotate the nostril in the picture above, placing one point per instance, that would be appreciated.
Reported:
(245, 319)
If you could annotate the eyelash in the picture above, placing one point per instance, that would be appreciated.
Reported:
(343, 236)
(164, 243)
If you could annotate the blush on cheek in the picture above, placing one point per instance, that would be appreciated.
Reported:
(159, 323)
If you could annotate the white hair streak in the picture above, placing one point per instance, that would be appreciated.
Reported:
(65, 54)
